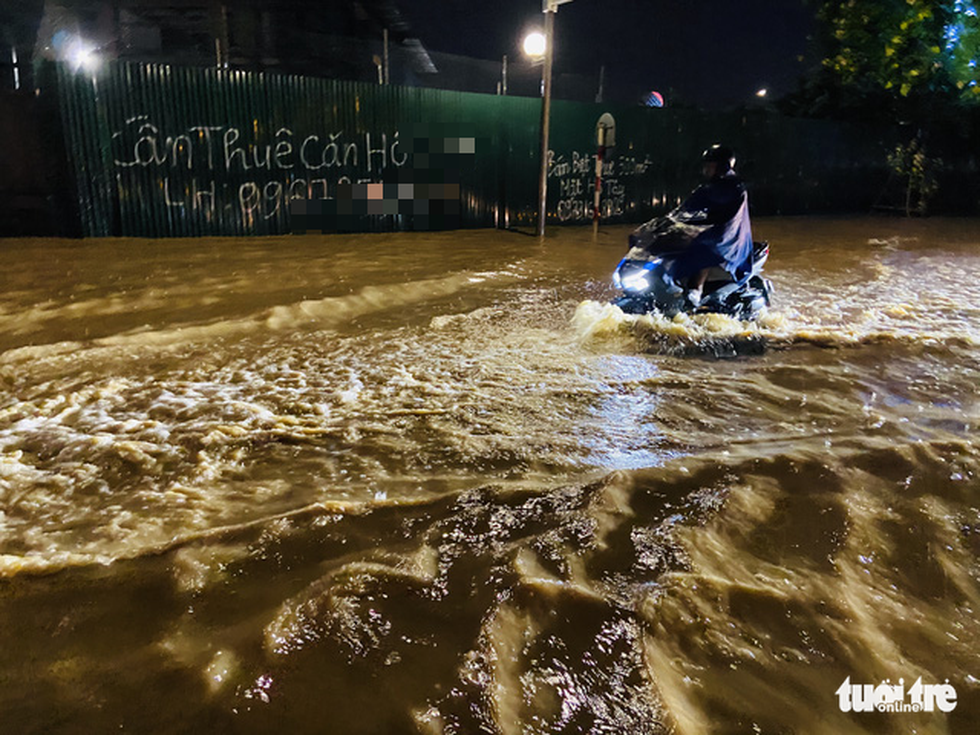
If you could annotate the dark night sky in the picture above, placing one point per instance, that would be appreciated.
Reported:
(711, 52)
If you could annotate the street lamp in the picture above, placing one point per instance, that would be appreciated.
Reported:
(87, 59)
(549, 8)
(77, 52)
(535, 44)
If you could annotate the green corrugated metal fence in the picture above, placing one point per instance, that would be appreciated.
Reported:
(162, 151)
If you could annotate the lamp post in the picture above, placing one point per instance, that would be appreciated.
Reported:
(549, 8)
(549, 35)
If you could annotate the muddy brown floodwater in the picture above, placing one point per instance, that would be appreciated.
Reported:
(434, 483)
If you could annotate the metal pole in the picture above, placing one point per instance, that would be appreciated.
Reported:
(549, 35)
(503, 74)
(387, 78)
(598, 187)
(602, 79)
(219, 29)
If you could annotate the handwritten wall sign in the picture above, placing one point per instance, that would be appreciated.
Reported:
(575, 175)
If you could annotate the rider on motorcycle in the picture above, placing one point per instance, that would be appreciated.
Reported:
(712, 225)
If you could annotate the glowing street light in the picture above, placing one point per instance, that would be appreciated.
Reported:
(76, 52)
(762, 92)
(535, 44)
(85, 58)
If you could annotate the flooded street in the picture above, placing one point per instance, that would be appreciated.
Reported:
(434, 483)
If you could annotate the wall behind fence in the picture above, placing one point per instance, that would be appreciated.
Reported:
(162, 151)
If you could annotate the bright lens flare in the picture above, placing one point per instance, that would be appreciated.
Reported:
(87, 59)
(81, 55)
(535, 44)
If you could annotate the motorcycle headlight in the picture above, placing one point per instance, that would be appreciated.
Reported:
(637, 281)
(634, 276)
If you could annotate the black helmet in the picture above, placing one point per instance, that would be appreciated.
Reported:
(720, 154)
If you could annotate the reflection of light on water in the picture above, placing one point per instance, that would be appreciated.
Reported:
(626, 435)
(260, 690)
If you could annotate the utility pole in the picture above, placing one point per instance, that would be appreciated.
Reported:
(549, 34)
(387, 77)
(219, 31)
(549, 8)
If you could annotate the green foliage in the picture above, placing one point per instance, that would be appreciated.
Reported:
(904, 47)
(911, 164)
(910, 67)
(963, 49)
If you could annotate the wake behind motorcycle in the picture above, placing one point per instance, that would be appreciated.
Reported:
(647, 286)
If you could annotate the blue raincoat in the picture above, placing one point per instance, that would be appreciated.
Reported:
(720, 210)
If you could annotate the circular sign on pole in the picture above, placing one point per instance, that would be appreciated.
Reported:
(605, 131)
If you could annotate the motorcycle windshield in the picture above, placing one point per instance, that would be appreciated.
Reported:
(664, 236)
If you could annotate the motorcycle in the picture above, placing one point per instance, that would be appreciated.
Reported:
(644, 278)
